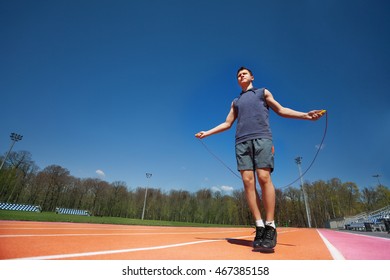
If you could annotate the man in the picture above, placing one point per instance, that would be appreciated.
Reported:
(254, 149)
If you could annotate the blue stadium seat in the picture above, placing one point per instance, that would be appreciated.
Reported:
(72, 211)
(19, 207)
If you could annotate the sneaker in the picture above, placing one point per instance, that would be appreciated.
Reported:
(269, 238)
(259, 237)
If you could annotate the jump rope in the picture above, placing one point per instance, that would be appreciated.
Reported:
(310, 165)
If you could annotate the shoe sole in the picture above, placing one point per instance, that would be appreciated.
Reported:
(264, 250)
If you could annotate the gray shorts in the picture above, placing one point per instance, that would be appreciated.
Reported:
(254, 154)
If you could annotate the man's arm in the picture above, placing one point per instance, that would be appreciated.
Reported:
(290, 113)
(231, 117)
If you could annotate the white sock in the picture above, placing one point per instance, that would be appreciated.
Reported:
(259, 223)
(270, 223)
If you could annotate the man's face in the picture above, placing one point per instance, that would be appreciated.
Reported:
(244, 77)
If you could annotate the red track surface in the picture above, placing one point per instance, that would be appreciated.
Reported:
(44, 240)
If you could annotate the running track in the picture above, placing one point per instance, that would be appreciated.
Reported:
(74, 241)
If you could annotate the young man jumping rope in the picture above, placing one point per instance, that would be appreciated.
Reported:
(255, 150)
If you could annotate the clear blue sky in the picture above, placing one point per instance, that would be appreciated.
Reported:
(123, 86)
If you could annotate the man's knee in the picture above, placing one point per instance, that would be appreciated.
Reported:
(264, 176)
(248, 177)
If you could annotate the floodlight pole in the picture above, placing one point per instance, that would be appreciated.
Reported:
(298, 161)
(15, 138)
(148, 175)
(377, 176)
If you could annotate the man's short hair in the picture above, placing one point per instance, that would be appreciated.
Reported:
(244, 68)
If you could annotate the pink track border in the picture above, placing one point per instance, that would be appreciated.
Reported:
(354, 246)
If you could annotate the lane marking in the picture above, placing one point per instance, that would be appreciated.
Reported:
(112, 234)
(364, 235)
(336, 254)
(73, 228)
(122, 234)
(109, 252)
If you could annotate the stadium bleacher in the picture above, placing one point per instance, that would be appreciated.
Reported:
(36, 208)
(72, 211)
(19, 207)
(373, 221)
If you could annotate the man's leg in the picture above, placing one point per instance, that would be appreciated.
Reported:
(253, 199)
(268, 194)
(252, 196)
(245, 163)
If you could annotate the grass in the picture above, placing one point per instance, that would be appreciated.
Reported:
(53, 217)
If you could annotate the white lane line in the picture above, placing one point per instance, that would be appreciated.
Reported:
(363, 235)
(74, 228)
(336, 254)
(109, 252)
(121, 234)
(114, 234)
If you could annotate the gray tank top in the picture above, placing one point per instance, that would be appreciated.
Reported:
(252, 116)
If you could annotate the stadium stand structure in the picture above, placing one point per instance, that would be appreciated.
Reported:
(377, 220)
(72, 211)
(19, 207)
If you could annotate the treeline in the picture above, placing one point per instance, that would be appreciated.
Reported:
(21, 181)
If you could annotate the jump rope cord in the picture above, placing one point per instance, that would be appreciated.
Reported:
(311, 164)
(220, 160)
(315, 156)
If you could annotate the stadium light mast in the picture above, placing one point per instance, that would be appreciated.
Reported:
(148, 175)
(298, 161)
(15, 138)
(377, 177)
